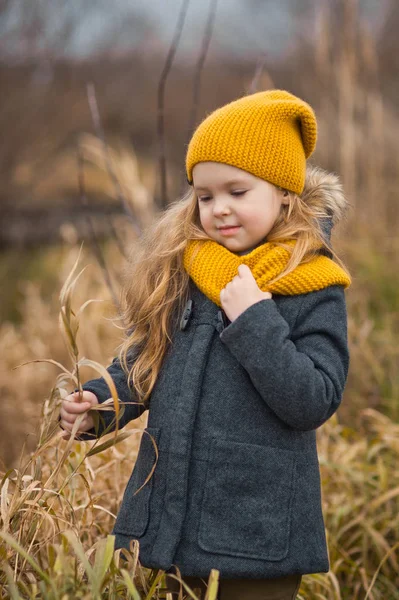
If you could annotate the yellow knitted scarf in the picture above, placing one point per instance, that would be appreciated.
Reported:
(211, 266)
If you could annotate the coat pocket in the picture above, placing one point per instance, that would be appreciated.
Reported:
(247, 502)
(134, 513)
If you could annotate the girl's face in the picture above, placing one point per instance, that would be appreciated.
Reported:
(236, 209)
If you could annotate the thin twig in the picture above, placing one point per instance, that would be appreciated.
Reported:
(161, 100)
(95, 113)
(92, 234)
(206, 40)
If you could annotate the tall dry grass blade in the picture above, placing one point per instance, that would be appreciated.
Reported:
(158, 577)
(104, 555)
(130, 585)
(20, 550)
(69, 334)
(65, 288)
(381, 543)
(12, 588)
(184, 586)
(336, 586)
(66, 297)
(80, 553)
(64, 456)
(4, 504)
(109, 443)
(213, 585)
(68, 322)
(19, 501)
(49, 360)
(82, 308)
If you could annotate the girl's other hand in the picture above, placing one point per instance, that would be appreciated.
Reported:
(72, 407)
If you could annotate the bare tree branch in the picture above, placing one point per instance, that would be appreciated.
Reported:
(161, 100)
(206, 40)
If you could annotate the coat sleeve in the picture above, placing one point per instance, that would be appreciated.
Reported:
(301, 374)
(132, 408)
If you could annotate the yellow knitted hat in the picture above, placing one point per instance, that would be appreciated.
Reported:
(269, 134)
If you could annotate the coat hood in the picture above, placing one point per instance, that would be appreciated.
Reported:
(323, 192)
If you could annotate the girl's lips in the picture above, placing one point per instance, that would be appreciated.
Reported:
(229, 230)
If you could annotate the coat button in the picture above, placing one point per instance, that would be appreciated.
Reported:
(188, 309)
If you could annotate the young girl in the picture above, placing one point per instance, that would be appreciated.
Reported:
(236, 342)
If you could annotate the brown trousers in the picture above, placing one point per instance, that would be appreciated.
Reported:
(280, 588)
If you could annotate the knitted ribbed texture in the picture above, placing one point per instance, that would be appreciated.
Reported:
(213, 266)
(269, 134)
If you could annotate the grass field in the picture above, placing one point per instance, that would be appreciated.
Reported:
(59, 500)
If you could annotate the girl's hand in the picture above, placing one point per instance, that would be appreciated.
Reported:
(241, 293)
(72, 408)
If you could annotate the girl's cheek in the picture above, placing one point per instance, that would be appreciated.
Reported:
(205, 221)
(202, 217)
(249, 218)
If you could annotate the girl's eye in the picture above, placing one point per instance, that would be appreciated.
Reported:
(233, 193)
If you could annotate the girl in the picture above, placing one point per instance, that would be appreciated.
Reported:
(236, 342)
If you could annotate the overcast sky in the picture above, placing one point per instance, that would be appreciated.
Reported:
(236, 29)
(239, 27)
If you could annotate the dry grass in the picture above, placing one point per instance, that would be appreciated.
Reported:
(58, 504)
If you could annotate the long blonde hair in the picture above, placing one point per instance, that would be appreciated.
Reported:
(155, 285)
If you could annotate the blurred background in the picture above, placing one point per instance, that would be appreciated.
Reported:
(96, 108)
(98, 101)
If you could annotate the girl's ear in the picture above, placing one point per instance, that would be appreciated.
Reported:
(286, 196)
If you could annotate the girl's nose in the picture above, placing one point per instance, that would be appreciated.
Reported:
(221, 207)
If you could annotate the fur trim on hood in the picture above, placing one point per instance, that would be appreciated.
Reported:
(323, 191)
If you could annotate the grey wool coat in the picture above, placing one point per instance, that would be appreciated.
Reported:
(234, 414)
